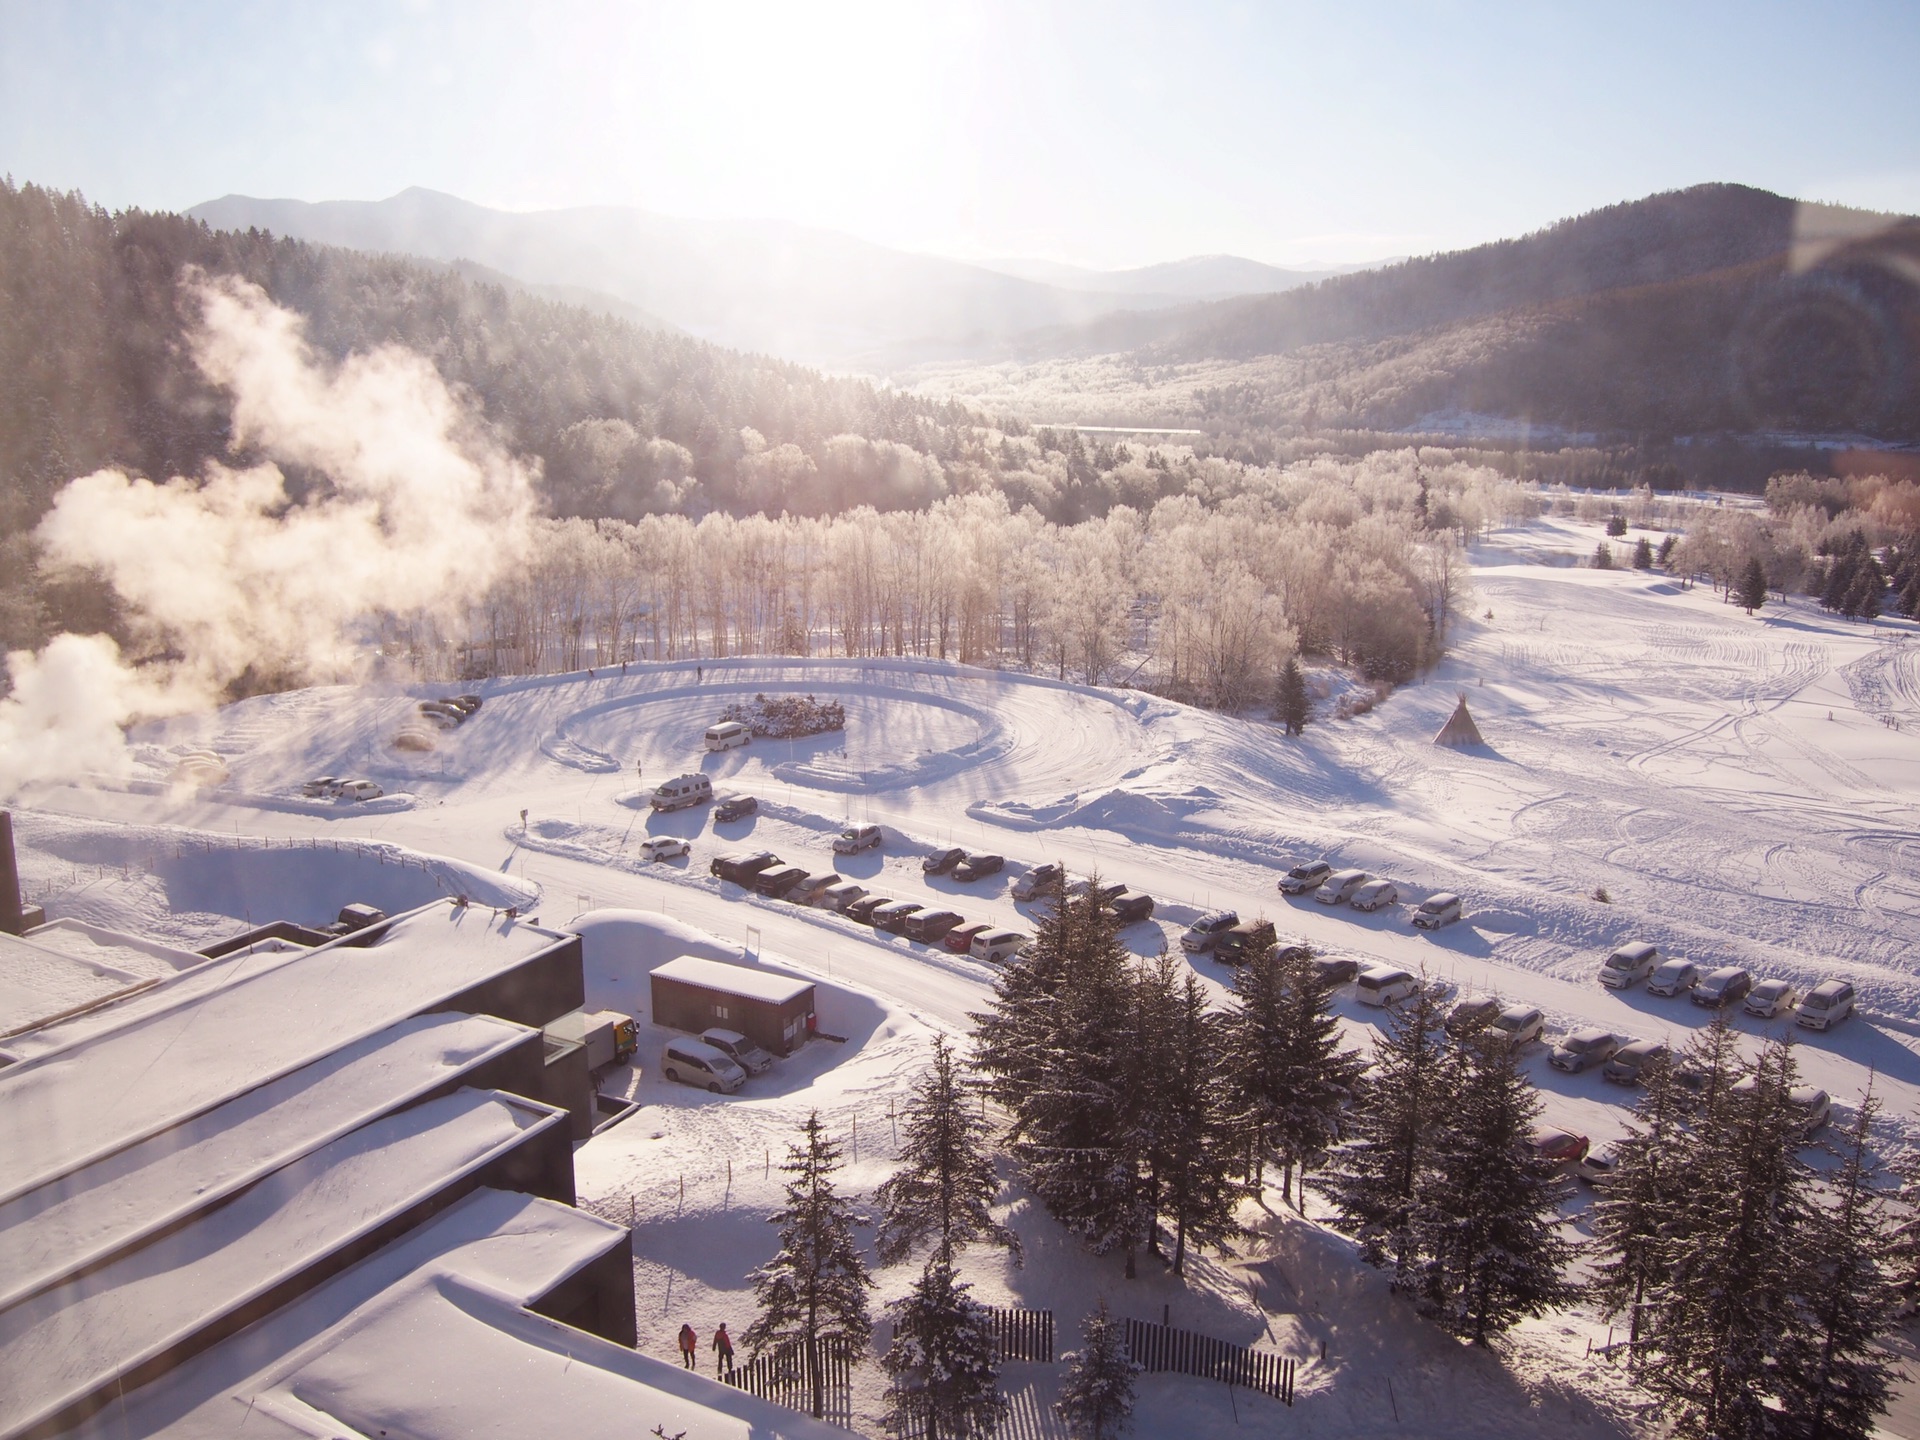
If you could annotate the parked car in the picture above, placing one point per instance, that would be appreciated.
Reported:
(1040, 880)
(815, 885)
(931, 926)
(681, 792)
(1729, 985)
(997, 945)
(1814, 1105)
(742, 865)
(842, 896)
(1375, 895)
(776, 880)
(321, 786)
(863, 908)
(1244, 941)
(739, 1049)
(1201, 935)
(1302, 878)
(1630, 964)
(1130, 907)
(1103, 892)
(1437, 910)
(664, 847)
(1581, 1049)
(941, 861)
(442, 714)
(1520, 1024)
(360, 790)
(1594, 1169)
(1554, 1146)
(467, 704)
(1340, 885)
(1384, 985)
(1470, 1014)
(960, 939)
(893, 916)
(1770, 998)
(1336, 969)
(735, 807)
(856, 838)
(1674, 977)
(1827, 1004)
(978, 867)
(694, 1062)
(1632, 1063)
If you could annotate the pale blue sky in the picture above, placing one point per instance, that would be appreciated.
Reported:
(1108, 134)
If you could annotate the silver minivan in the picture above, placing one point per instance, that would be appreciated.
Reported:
(1674, 977)
(1828, 1003)
(1437, 910)
(694, 1062)
(1383, 985)
(1340, 886)
(1630, 964)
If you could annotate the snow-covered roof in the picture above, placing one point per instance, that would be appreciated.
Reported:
(104, 1208)
(432, 1333)
(67, 965)
(132, 1069)
(764, 985)
(64, 1345)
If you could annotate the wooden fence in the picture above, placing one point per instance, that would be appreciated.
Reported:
(781, 1376)
(1023, 1334)
(1161, 1348)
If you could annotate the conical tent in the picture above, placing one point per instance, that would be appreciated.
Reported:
(1459, 729)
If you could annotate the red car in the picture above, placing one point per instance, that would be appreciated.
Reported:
(1559, 1148)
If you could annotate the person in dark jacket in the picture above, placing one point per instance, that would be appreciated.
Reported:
(689, 1346)
(722, 1351)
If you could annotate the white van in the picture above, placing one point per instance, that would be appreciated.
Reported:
(1383, 985)
(682, 791)
(1630, 964)
(360, 790)
(694, 1062)
(1340, 886)
(1828, 1003)
(727, 735)
(1437, 910)
(994, 946)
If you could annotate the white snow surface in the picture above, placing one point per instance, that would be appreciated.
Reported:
(1744, 789)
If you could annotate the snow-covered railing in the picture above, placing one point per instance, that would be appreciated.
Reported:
(1023, 1334)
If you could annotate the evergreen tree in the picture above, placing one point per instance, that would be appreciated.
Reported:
(1753, 585)
(1374, 1179)
(1096, 1393)
(1191, 1153)
(945, 1186)
(1633, 1214)
(1291, 1081)
(1666, 549)
(1643, 554)
(1487, 1215)
(1832, 1374)
(943, 1367)
(1603, 556)
(1903, 1251)
(1616, 525)
(814, 1291)
(1295, 707)
(1862, 600)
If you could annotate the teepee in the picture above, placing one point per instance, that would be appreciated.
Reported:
(1459, 729)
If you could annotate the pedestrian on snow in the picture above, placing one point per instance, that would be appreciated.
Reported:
(589, 672)
(722, 1351)
(689, 1346)
(699, 674)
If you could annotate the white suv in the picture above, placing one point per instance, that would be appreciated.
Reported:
(856, 838)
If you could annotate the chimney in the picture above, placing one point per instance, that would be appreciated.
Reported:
(15, 918)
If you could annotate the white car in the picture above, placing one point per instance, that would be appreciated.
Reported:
(1375, 895)
(360, 790)
(1383, 985)
(1437, 910)
(1340, 886)
(321, 786)
(1827, 1004)
(996, 945)
(1770, 998)
(664, 847)
(856, 838)
(1520, 1024)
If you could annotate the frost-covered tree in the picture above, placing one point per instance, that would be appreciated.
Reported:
(814, 1290)
(1290, 1079)
(1294, 707)
(1486, 1216)
(1096, 1393)
(943, 1367)
(944, 1189)
(1374, 1179)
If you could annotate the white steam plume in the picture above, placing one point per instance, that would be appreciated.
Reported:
(420, 513)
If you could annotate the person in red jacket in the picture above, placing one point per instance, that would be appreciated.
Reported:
(722, 1351)
(689, 1346)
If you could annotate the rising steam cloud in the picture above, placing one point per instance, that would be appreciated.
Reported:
(420, 512)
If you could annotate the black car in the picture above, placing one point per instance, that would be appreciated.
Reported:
(735, 807)
(930, 927)
(468, 703)
(1240, 943)
(863, 908)
(1130, 907)
(893, 917)
(776, 881)
(1336, 969)
(941, 861)
(741, 868)
(973, 867)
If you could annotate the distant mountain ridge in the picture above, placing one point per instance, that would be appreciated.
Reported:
(1199, 277)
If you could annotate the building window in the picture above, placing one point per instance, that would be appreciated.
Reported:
(720, 1012)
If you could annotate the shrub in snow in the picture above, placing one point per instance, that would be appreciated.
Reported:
(943, 1367)
(1096, 1394)
(787, 717)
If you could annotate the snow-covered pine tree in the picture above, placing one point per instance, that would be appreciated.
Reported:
(1191, 1151)
(1832, 1373)
(1291, 1081)
(944, 1188)
(943, 1367)
(1903, 1256)
(1014, 1040)
(1294, 708)
(1753, 585)
(1096, 1393)
(814, 1291)
(1374, 1178)
(1643, 554)
(1713, 1328)
(1633, 1215)
(1486, 1216)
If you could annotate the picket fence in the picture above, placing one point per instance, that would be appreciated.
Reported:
(1161, 1348)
